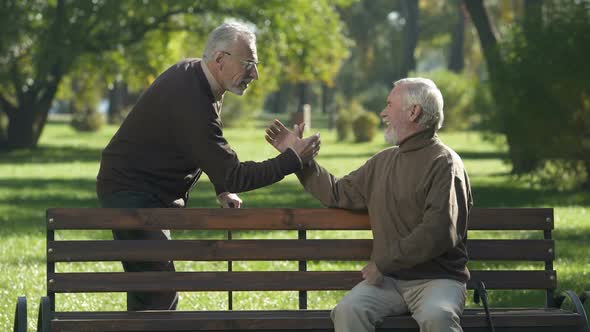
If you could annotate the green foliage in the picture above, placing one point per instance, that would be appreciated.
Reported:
(543, 88)
(239, 109)
(347, 112)
(483, 104)
(364, 126)
(563, 175)
(374, 97)
(87, 120)
(458, 92)
(3, 126)
(134, 41)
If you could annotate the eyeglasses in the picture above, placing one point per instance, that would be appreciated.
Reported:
(248, 64)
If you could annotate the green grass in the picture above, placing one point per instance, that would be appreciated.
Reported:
(62, 172)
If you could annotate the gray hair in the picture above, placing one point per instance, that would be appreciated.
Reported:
(423, 92)
(225, 35)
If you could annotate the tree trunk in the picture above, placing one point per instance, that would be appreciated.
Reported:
(118, 97)
(486, 33)
(304, 95)
(456, 54)
(21, 133)
(586, 184)
(533, 16)
(411, 36)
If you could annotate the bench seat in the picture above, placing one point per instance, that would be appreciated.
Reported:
(496, 260)
(547, 319)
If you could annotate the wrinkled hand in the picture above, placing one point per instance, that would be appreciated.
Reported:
(372, 274)
(229, 200)
(282, 138)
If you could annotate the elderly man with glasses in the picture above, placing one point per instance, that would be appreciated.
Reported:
(174, 133)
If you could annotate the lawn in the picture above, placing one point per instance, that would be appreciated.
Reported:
(62, 171)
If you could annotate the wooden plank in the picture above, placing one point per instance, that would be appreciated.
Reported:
(208, 219)
(210, 250)
(511, 219)
(255, 250)
(511, 250)
(262, 281)
(526, 279)
(287, 319)
(273, 219)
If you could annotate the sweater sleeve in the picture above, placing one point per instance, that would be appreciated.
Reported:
(349, 192)
(200, 136)
(444, 220)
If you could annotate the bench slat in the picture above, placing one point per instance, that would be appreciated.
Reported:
(272, 219)
(262, 281)
(251, 250)
(282, 319)
(208, 219)
(511, 219)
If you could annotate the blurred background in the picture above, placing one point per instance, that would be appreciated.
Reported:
(514, 75)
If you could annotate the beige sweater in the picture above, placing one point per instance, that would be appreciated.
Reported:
(418, 198)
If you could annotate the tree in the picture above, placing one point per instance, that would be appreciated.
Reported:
(411, 31)
(538, 74)
(42, 41)
(456, 53)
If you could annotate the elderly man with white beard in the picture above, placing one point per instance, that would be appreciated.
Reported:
(418, 197)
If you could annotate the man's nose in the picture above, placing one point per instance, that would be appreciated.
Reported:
(254, 72)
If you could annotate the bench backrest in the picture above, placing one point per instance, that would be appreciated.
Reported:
(539, 250)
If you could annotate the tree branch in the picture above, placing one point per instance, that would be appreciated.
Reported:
(138, 31)
(16, 81)
(7, 107)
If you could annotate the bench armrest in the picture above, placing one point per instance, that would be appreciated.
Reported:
(44, 318)
(20, 315)
(578, 304)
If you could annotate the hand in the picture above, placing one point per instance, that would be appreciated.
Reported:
(372, 274)
(282, 138)
(229, 200)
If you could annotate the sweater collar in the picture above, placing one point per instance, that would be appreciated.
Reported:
(418, 140)
(216, 89)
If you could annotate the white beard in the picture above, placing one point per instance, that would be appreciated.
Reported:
(391, 136)
(239, 90)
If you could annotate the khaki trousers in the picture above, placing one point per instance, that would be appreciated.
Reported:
(435, 304)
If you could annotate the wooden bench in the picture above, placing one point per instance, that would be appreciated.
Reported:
(539, 251)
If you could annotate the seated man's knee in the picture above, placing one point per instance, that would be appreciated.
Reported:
(346, 310)
(437, 318)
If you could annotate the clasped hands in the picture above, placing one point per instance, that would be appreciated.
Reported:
(282, 139)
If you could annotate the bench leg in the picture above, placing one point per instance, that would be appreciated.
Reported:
(20, 316)
(44, 318)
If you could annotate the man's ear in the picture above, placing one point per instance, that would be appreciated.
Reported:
(415, 113)
(218, 59)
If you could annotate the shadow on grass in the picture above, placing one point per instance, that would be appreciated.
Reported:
(24, 210)
(482, 155)
(506, 195)
(51, 154)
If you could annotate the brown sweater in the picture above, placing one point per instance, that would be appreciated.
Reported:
(418, 198)
(173, 132)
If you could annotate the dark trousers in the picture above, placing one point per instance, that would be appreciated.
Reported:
(142, 300)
